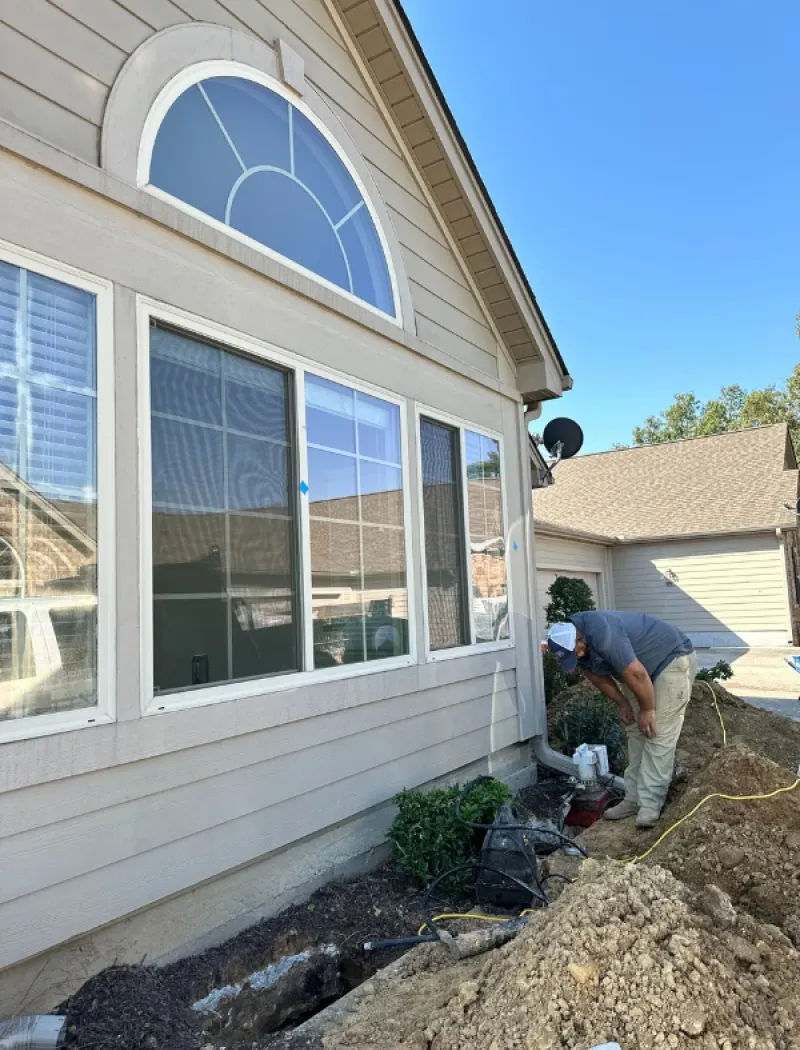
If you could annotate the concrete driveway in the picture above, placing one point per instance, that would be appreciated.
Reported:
(760, 676)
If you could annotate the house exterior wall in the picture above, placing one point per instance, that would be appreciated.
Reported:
(100, 825)
(728, 591)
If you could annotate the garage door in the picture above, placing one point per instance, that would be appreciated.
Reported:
(547, 577)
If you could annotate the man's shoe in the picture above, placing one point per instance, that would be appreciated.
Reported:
(623, 809)
(647, 818)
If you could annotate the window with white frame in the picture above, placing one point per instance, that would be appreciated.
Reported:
(250, 159)
(261, 566)
(464, 536)
(48, 497)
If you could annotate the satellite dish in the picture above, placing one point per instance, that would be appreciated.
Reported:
(564, 433)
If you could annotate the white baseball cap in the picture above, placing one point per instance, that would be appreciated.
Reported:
(561, 639)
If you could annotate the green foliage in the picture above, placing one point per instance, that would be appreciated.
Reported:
(720, 672)
(555, 679)
(733, 409)
(485, 468)
(593, 720)
(568, 596)
(427, 838)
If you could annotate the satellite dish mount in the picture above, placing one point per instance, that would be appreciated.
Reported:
(562, 439)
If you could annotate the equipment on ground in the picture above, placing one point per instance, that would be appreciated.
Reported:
(594, 794)
(507, 851)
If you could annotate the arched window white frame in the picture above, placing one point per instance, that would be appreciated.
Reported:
(385, 302)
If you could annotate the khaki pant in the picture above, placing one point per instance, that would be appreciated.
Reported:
(651, 761)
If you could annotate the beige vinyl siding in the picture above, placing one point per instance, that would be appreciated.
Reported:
(732, 588)
(59, 59)
(561, 552)
(84, 851)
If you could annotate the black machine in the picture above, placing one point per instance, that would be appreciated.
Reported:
(507, 851)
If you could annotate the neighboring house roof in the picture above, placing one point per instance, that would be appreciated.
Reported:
(737, 482)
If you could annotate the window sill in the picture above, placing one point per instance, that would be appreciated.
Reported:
(220, 694)
(50, 725)
(468, 650)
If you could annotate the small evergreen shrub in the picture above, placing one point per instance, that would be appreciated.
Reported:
(720, 672)
(593, 720)
(568, 596)
(427, 839)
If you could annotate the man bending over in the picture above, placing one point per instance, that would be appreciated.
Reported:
(656, 665)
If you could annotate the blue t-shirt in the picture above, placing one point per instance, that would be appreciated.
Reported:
(616, 639)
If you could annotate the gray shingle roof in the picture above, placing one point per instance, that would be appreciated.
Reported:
(735, 482)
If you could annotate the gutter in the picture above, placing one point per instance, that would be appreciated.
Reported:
(412, 36)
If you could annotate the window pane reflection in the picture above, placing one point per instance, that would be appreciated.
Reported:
(487, 538)
(224, 521)
(359, 589)
(448, 614)
(48, 496)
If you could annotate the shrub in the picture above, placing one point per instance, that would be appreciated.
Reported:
(593, 720)
(556, 680)
(568, 596)
(427, 839)
(720, 672)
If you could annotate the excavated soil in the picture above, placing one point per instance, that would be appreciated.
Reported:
(626, 954)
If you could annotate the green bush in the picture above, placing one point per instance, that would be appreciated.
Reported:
(568, 596)
(593, 720)
(720, 672)
(556, 680)
(427, 839)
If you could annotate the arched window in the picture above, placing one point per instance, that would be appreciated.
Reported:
(247, 157)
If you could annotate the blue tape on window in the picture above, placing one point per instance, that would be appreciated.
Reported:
(303, 487)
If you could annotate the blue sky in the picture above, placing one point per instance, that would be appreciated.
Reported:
(644, 156)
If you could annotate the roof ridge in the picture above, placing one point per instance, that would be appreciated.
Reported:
(684, 440)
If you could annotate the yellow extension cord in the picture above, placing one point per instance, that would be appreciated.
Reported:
(715, 794)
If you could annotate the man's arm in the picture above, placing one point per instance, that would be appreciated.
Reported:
(641, 685)
(609, 687)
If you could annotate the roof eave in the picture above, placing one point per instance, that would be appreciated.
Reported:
(408, 87)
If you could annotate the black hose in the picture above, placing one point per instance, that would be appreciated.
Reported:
(536, 894)
(559, 876)
(509, 827)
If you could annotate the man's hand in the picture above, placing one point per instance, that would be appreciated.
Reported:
(647, 723)
(625, 713)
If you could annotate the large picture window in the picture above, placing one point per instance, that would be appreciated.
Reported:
(278, 529)
(464, 536)
(48, 499)
(225, 595)
(242, 154)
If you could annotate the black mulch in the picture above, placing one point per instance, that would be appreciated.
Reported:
(129, 1008)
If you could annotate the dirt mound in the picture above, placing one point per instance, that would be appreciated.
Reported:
(625, 956)
(750, 849)
(130, 1007)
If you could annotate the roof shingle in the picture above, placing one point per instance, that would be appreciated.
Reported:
(736, 482)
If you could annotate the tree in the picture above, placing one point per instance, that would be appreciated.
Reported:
(733, 409)
(567, 596)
